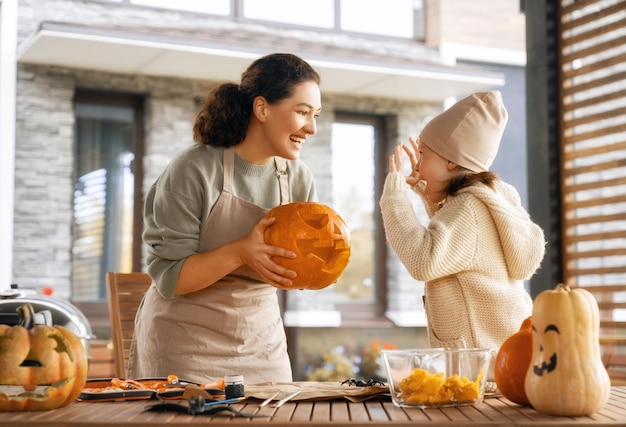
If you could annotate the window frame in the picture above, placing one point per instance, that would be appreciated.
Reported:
(374, 312)
(237, 13)
(97, 311)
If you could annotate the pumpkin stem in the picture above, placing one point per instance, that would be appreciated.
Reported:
(562, 287)
(26, 314)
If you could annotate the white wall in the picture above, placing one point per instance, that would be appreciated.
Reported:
(8, 43)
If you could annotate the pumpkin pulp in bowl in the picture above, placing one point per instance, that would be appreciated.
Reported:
(426, 378)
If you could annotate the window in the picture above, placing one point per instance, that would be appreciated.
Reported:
(215, 7)
(107, 195)
(358, 168)
(320, 14)
(389, 18)
(395, 18)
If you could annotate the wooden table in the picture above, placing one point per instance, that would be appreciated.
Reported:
(493, 412)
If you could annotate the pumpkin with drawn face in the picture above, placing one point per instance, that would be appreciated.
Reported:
(318, 236)
(41, 367)
(566, 376)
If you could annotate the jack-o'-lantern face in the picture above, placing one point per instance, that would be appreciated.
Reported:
(319, 237)
(547, 345)
(43, 367)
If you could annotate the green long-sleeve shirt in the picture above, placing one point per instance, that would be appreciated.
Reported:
(180, 200)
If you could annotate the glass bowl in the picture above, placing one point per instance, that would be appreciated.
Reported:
(437, 377)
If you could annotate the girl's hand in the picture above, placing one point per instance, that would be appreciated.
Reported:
(258, 256)
(395, 161)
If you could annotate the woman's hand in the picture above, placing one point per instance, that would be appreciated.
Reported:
(204, 269)
(258, 256)
(395, 161)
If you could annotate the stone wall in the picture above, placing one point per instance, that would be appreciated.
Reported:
(45, 135)
(45, 150)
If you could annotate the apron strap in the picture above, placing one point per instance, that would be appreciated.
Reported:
(281, 173)
(229, 169)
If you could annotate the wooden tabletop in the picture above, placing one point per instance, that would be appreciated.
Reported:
(492, 411)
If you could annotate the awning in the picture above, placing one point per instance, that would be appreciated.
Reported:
(148, 53)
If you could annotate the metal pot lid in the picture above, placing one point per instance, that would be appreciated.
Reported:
(63, 313)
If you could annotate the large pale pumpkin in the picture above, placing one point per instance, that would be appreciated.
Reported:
(512, 362)
(566, 376)
(319, 237)
(41, 367)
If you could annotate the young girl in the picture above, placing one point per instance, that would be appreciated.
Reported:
(480, 243)
(212, 309)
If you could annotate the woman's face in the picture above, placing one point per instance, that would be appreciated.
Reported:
(289, 122)
(436, 171)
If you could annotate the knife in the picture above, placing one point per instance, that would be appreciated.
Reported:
(284, 400)
(269, 399)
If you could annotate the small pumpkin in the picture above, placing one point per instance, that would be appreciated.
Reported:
(512, 362)
(41, 366)
(319, 237)
(566, 376)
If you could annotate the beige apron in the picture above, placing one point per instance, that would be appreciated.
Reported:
(232, 327)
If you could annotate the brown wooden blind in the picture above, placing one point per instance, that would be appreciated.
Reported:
(593, 157)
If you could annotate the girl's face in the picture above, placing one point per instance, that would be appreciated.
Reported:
(436, 171)
(289, 122)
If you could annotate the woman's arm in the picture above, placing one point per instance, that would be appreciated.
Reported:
(204, 269)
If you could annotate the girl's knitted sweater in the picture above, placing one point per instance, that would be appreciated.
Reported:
(473, 257)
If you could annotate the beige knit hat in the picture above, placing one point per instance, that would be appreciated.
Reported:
(469, 132)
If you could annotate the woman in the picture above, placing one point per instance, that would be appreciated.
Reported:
(480, 243)
(212, 309)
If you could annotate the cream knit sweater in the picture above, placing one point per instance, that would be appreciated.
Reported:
(473, 256)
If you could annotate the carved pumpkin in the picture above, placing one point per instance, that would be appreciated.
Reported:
(512, 362)
(319, 237)
(566, 376)
(41, 367)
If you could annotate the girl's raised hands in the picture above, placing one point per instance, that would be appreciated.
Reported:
(412, 152)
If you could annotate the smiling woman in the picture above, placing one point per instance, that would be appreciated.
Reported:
(204, 227)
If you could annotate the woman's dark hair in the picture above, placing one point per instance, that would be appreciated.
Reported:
(225, 112)
(467, 178)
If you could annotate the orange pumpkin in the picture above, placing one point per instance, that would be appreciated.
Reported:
(512, 362)
(318, 236)
(41, 367)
